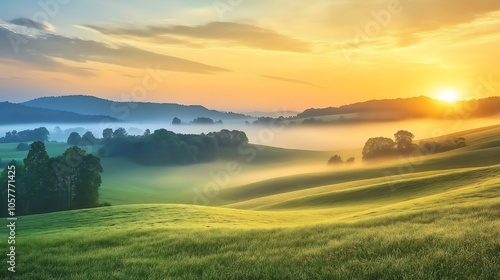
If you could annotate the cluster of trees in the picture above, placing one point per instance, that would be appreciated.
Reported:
(37, 134)
(227, 138)
(337, 160)
(199, 120)
(88, 138)
(44, 184)
(443, 145)
(402, 145)
(164, 147)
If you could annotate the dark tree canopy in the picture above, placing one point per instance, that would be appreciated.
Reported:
(88, 139)
(107, 133)
(163, 147)
(335, 160)
(37, 134)
(23, 147)
(227, 138)
(403, 140)
(176, 121)
(120, 132)
(74, 139)
(378, 147)
(45, 184)
(203, 120)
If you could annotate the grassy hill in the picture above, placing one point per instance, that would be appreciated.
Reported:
(439, 221)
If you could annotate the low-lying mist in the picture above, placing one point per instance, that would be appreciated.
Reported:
(303, 137)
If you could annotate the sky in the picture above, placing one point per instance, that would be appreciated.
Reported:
(242, 55)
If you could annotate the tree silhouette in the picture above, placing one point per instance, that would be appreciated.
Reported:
(40, 180)
(120, 132)
(403, 140)
(335, 160)
(378, 147)
(176, 121)
(74, 139)
(107, 133)
(88, 139)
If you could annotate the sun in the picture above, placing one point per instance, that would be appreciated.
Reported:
(448, 95)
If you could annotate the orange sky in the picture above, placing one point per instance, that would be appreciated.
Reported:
(250, 55)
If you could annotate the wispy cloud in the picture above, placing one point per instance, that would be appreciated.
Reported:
(290, 80)
(45, 51)
(26, 22)
(227, 33)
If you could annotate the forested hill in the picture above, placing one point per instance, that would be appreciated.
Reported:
(129, 111)
(11, 113)
(416, 107)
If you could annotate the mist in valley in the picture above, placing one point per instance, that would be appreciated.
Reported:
(302, 137)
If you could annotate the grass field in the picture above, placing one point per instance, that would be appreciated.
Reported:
(436, 218)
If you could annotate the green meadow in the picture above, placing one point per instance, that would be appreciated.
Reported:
(285, 215)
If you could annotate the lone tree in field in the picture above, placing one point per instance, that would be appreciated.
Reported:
(23, 147)
(336, 159)
(403, 140)
(74, 138)
(378, 147)
(176, 121)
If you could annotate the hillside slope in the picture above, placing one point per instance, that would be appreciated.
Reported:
(129, 111)
(11, 113)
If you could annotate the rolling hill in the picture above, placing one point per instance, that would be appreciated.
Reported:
(129, 111)
(406, 108)
(11, 113)
(440, 220)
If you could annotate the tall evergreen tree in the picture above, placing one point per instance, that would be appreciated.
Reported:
(40, 180)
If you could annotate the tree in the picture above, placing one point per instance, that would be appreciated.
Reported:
(203, 120)
(147, 132)
(107, 133)
(378, 147)
(40, 134)
(403, 140)
(120, 132)
(176, 121)
(335, 160)
(40, 180)
(350, 160)
(74, 139)
(87, 179)
(22, 147)
(89, 139)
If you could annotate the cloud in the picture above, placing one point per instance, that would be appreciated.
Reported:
(223, 32)
(47, 50)
(290, 80)
(26, 22)
(408, 26)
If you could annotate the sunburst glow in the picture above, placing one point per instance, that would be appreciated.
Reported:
(448, 95)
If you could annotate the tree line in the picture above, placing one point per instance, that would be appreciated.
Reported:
(163, 147)
(402, 145)
(28, 135)
(44, 184)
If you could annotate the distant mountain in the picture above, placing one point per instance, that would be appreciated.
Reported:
(11, 113)
(416, 107)
(130, 111)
